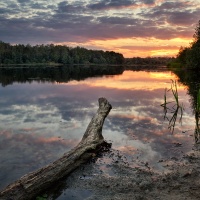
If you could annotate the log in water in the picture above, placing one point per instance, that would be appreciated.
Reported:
(32, 184)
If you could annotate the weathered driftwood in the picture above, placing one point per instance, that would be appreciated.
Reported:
(32, 184)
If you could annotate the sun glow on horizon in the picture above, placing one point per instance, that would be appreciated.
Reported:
(136, 47)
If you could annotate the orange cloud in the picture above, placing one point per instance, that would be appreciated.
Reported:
(133, 47)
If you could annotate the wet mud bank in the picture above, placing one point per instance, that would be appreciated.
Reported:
(111, 177)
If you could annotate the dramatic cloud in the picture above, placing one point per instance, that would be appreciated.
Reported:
(174, 13)
(89, 24)
(182, 18)
(65, 7)
(110, 4)
(148, 2)
(116, 20)
(23, 1)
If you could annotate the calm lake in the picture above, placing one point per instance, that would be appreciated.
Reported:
(44, 115)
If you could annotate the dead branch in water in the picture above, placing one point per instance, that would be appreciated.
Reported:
(32, 184)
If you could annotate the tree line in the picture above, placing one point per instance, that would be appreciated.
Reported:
(148, 61)
(189, 57)
(50, 53)
(27, 54)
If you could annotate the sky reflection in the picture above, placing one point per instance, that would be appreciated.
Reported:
(131, 81)
(41, 121)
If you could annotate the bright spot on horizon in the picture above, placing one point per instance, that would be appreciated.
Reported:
(148, 28)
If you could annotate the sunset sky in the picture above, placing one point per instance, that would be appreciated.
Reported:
(131, 27)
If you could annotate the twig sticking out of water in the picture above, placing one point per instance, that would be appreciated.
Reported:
(175, 108)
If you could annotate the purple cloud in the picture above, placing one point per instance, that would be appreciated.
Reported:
(110, 4)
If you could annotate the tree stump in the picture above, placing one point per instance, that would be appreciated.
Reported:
(32, 184)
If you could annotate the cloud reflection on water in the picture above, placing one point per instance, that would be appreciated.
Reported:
(23, 152)
(34, 118)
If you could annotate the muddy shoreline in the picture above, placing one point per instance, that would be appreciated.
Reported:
(106, 177)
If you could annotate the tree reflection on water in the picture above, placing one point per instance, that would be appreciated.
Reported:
(190, 79)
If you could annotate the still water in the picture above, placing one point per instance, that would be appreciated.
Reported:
(40, 119)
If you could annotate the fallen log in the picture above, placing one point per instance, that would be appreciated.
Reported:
(32, 184)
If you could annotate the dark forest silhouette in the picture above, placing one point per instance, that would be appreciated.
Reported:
(27, 54)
